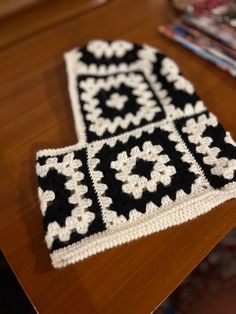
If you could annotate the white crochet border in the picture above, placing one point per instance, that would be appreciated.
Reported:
(173, 215)
(70, 61)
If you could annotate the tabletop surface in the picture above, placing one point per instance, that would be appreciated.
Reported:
(35, 113)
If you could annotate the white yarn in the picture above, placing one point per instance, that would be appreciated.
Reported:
(151, 99)
(81, 217)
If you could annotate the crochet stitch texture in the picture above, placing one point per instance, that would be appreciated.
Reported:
(149, 155)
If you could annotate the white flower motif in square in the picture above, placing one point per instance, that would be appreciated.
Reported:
(135, 184)
(148, 107)
(117, 101)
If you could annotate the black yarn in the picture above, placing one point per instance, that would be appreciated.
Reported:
(129, 57)
(143, 168)
(60, 208)
(131, 106)
(124, 203)
(179, 97)
(217, 133)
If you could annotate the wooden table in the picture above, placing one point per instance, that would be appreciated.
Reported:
(35, 113)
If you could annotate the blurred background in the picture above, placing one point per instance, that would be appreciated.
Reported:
(211, 287)
(205, 28)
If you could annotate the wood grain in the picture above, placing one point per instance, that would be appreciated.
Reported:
(40, 17)
(35, 113)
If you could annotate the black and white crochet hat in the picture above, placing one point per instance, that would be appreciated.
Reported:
(149, 154)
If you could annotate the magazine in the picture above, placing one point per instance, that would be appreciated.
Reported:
(207, 38)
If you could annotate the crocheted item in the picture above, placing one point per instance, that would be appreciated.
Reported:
(149, 156)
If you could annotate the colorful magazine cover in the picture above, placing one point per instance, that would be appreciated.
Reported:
(202, 35)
